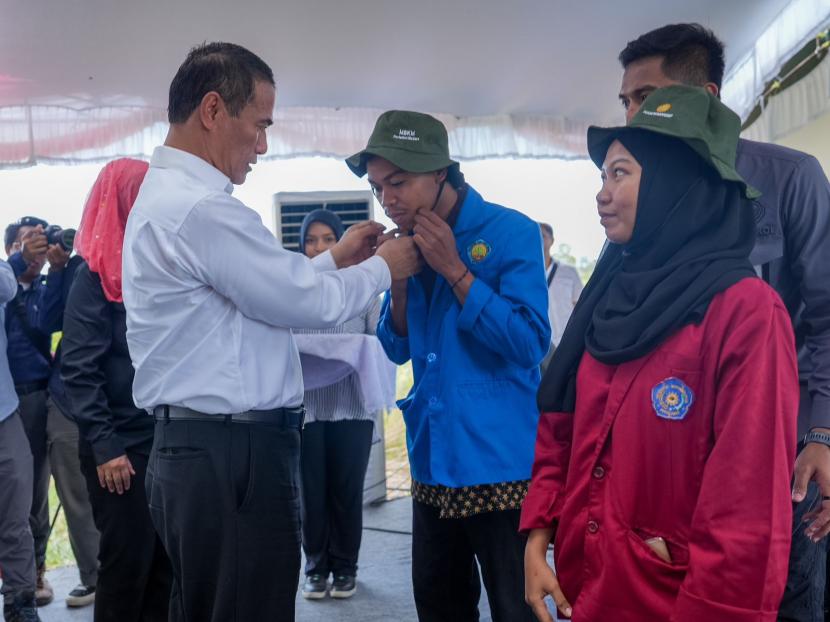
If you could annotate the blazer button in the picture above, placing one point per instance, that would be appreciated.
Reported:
(593, 526)
(598, 472)
(431, 357)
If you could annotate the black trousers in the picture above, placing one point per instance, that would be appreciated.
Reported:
(134, 578)
(334, 459)
(53, 440)
(804, 594)
(445, 574)
(224, 497)
(803, 599)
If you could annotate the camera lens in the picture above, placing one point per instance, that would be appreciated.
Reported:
(64, 237)
(68, 239)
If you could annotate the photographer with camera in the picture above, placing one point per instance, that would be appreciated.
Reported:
(31, 317)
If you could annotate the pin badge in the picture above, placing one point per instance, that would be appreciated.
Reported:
(672, 399)
(478, 251)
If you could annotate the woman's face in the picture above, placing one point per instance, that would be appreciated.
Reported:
(617, 200)
(319, 238)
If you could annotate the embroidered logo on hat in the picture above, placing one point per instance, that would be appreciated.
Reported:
(478, 251)
(406, 135)
(663, 108)
(672, 399)
(657, 113)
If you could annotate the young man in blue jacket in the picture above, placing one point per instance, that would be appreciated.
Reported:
(474, 324)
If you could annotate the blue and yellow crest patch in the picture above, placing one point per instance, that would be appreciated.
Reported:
(672, 399)
(478, 251)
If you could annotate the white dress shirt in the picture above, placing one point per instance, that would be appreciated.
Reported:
(563, 292)
(211, 295)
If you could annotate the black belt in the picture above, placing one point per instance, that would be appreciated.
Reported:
(24, 388)
(282, 417)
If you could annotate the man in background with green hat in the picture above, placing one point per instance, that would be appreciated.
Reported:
(792, 254)
(474, 324)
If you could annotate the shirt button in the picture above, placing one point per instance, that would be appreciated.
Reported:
(431, 357)
(593, 526)
(598, 472)
(433, 401)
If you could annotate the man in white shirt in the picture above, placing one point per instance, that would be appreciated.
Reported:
(211, 297)
(564, 288)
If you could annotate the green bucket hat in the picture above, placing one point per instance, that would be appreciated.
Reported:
(691, 114)
(413, 141)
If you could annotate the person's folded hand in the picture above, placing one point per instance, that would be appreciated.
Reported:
(402, 257)
(357, 244)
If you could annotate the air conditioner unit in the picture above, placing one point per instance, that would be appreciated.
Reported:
(291, 207)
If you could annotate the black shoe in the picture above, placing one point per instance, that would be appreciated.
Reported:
(315, 586)
(81, 596)
(22, 608)
(343, 586)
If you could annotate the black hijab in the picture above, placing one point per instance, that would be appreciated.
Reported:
(324, 216)
(692, 238)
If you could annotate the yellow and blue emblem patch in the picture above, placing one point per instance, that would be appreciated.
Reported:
(672, 399)
(478, 251)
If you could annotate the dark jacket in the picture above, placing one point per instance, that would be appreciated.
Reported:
(98, 374)
(31, 317)
(792, 254)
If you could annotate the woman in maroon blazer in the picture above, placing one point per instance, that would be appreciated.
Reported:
(667, 435)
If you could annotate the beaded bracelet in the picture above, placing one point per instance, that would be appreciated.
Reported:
(466, 272)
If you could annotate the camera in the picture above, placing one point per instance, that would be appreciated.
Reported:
(63, 237)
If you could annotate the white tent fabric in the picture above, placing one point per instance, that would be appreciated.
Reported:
(62, 134)
(803, 102)
(87, 81)
(799, 22)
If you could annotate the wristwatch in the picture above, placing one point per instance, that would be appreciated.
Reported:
(817, 437)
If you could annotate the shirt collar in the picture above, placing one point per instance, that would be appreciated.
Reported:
(170, 157)
(470, 218)
(452, 217)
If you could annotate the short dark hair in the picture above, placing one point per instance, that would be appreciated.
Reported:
(226, 68)
(546, 227)
(14, 228)
(691, 53)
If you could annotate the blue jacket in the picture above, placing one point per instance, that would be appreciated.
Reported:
(43, 304)
(471, 414)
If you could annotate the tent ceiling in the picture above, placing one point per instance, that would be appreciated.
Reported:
(466, 58)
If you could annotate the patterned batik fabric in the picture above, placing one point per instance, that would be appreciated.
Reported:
(471, 500)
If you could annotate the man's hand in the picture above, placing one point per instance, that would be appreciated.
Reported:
(357, 244)
(33, 244)
(813, 463)
(540, 580)
(437, 243)
(115, 474)
(398, 285)
(402, 257)
(57, 258)
(386, 236)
